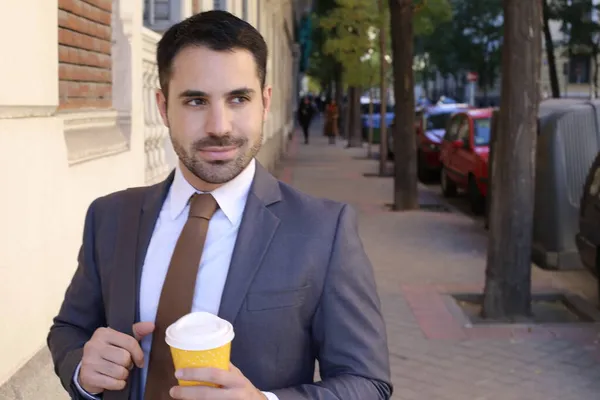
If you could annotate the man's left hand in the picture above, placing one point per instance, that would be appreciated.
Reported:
(235, 386)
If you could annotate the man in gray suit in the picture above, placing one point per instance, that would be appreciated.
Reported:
(224, 236)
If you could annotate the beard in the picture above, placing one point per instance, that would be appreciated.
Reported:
(217, 171)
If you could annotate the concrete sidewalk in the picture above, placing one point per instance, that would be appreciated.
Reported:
(421, 256)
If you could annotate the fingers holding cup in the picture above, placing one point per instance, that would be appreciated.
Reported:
(200, 341)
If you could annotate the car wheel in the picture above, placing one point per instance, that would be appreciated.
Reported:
(476, 199)
(486, 220)
(448, 186)
(598, 278)
(422, 172)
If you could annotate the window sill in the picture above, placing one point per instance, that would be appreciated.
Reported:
(10, 112)
(94, 134)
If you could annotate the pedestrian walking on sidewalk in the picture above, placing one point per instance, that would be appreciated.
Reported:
(306, 112)
(285, 271)
(331, 121)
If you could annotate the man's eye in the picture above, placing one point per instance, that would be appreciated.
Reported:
(239, 99)
(197, 102)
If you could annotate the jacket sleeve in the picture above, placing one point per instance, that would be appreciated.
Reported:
(81, 312)
(348, 327)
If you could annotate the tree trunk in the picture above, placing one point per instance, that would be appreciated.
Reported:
(426, 83)
(339, 97)
(555, 87)
(445, 78)
(456, 93)
(357, 120)
(595, 83)
(493, 146)
(354, 126)
(345, 115)
(370, 138)
(485, 94)
(383, 132)
(405, 145)
(507, 294)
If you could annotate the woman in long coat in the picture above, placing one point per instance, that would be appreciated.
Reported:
(331, 121)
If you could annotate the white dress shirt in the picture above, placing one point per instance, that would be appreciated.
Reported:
(216, 256)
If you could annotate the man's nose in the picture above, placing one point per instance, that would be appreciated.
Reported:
(219, 119)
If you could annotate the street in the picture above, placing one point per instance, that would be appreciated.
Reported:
(421, 256)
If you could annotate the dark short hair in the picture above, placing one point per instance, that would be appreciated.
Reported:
(217, 30)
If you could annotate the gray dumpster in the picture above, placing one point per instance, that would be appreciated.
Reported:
(568, 141)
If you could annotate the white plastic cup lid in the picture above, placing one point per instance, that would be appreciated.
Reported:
(199, 331)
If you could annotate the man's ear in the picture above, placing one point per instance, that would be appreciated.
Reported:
(267, 92)
(161, 101)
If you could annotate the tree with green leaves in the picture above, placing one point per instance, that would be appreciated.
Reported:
(322, 67)
(350, 24)
(481, 22)
(436, 43)
(468, 38)
(429, 14)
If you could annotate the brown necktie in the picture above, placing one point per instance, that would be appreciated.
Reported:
(177, 294)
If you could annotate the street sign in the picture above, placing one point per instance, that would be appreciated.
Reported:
(472, 76)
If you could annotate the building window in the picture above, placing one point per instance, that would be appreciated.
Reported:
(220, 5)
(245, 10)
(159, 15)
(156, 10)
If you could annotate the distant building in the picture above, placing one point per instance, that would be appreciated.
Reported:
(574, 70)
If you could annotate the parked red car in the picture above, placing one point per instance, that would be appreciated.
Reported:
(464, 156)
(430, 127)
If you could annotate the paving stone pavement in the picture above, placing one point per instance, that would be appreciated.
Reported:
(418, 257)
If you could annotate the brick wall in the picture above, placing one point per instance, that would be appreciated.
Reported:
(84, 36)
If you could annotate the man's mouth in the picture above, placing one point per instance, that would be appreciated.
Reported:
(218, 153)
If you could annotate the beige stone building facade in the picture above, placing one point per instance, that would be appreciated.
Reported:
(78, 120)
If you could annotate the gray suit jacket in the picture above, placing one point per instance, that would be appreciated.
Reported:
(300, 289)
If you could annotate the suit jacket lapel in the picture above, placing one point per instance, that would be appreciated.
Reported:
(152, 204)
(122, 286)
(136, 225)
(255, 234)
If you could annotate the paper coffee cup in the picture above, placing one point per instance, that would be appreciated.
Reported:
(200, 340)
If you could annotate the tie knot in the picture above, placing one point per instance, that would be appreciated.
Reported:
(203, 205)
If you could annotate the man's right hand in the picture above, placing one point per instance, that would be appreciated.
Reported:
(109, 356)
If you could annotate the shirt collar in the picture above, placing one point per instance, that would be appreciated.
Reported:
(231, 197)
